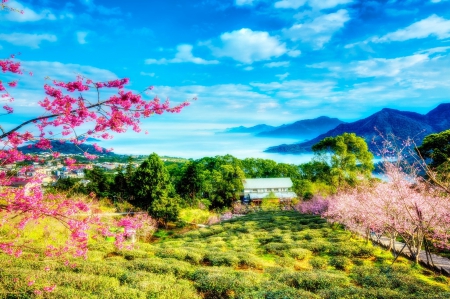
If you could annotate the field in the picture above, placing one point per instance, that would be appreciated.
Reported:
(261, 255)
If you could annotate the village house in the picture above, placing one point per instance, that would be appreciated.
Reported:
(257, 189)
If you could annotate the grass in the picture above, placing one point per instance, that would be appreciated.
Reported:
(262, 255)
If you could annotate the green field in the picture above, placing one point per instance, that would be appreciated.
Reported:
(262, 255)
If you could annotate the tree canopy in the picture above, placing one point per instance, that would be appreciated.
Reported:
(348, 157)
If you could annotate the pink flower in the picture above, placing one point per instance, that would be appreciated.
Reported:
(50, 289)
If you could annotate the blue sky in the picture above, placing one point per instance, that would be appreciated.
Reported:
(247, 61)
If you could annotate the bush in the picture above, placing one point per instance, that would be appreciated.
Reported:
(318, 263)
(277, 248)
(222, 259)
(300, 253)
(340, 262)
(225, 283)
(162, 266)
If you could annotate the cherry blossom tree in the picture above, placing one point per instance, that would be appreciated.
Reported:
(403, 204)
(68, 108)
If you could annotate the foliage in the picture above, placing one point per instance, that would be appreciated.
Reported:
(165, 209)
(230, 260)
(99, 182)
(62, 114)
(150, 182)
(436, 147)
(349, 161)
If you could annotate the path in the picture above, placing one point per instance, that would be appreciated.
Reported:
(441, 264)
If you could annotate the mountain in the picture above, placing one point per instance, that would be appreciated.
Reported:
(66, 148)
(402, 124)
(253, 130)
(302, 129)
(306, 129)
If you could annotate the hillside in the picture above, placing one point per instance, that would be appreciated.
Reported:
(307, 128)
(302, 129)
(276, 254)
(66, 148)
(402, 124)
(253, 130)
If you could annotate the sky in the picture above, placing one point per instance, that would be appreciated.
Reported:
(247, 62)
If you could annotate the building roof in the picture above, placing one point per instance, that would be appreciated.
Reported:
(267, 183)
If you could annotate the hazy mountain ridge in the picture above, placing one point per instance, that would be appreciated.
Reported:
(66, 148)
(402, 124)
(254, 130)
(304, 129)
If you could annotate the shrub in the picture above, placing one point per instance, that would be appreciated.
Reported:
(340, 262)
(318, 246)
(277, 248)
(249, 260)
(162, 266)
(225, 283)
(300, 253)
(222, 259)
(285, 261)
(370, 277)
(318, 263)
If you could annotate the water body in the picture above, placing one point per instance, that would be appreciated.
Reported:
(202, 143)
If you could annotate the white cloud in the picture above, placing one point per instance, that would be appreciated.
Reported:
(325, 4)
(277, 64)
(320, 30)
(147, 74)
(315, 4)
(248, 68)
(81, 37)
(184, 54)
(247, 46)
(67, 71)
(100, 8)
(297, 89)
(290, 3)
(282, 76)
(243, 2)
(25, 39)
(376, 67)
(28, 14)
(294, 53)
(263, 107)
(431, 26)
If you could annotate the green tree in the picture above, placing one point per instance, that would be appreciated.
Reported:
(348, 157)
(436, 149)
(99, 182)
(227, 185)
(191, 181)
(150, 181)
(165, 209)
(121, 186)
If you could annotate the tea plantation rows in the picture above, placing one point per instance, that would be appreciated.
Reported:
(269, 255)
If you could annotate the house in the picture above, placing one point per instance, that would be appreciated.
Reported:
(257, 189)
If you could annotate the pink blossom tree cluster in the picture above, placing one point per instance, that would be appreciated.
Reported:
(67, 108)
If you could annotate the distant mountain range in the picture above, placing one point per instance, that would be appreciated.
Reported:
(402, 124)
(66, 148)
(253, 130)
(302, 129)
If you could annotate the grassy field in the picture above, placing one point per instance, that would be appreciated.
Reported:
(262, 255)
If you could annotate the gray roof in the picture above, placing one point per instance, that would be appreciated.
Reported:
(267, 183)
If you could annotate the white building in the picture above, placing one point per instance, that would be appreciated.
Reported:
(257, 189)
